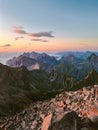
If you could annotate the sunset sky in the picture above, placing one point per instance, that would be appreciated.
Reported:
(48, 25)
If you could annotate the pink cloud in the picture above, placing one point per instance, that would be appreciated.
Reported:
(19, 30)
(41, 34)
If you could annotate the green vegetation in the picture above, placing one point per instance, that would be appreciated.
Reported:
(20, 87)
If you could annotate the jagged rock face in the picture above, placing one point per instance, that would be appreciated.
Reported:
(30, 60)
(21, 61)
(41, 57)
(70, 121)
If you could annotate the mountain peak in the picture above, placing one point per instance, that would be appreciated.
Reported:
(92, 56)
(93, 59)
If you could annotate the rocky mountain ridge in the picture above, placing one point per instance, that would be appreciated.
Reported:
(30, 60)
(73, 110)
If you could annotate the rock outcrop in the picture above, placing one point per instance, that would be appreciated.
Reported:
(73, 110)
(70, 121)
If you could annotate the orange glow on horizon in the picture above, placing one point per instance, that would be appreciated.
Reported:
(54, 44)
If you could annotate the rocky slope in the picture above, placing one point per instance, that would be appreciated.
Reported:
(74, 110)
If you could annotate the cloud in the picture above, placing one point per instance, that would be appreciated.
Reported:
(19, 30)
(41, 34)
(17, 38)
(41, 40)
(6, 45)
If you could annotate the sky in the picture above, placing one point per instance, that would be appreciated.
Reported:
(48, 25)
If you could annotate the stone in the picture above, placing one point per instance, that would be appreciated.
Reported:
(60, 104)
(23, 124)
(34, 124)
(67, 101)
(46, 123)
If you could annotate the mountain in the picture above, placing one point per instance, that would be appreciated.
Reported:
(90, 79)
(22, 61)
(77, 68)
(71, 65)
(19, 87)
(50, 93)
(93, 60)
(78, 54)
(41, 57)
(68, 59)
(33, 61)
(61, 81)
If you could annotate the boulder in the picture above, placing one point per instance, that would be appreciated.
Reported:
(70, 121)
(46, 123)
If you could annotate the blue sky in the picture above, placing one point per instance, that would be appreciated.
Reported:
(72, 22)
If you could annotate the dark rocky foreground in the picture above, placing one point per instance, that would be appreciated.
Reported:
(74, 110)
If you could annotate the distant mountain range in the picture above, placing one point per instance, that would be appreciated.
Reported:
(74, 64)
(77, 68)
(78, 54)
